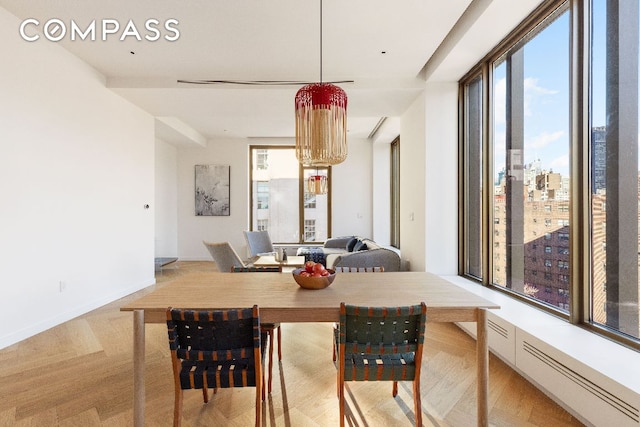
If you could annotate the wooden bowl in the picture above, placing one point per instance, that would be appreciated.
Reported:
(313, 282)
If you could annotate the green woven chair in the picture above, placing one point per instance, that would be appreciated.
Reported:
(381, 344)
(379, 269)
(215, 349)
(268, 328)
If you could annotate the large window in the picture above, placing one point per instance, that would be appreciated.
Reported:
(614, 166)
(394, 192)
(472, 198)
(280, 202)
(549, 136)
(531, 162)
(262, 194)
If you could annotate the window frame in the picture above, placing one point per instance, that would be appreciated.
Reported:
(578, 262)
(301, 193)
(394, 192)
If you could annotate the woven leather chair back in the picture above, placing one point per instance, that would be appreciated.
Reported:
(202, 340)
(254, 269)
(381, 344)
(359, 269)
(382, 330)
(215, 349)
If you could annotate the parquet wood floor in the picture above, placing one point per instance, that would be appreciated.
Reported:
(80, 374)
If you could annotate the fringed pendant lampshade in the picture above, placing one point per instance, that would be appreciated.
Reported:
(317, 184)
(321, 121)
(321, 125)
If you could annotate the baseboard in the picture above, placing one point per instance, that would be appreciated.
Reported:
(16, 336)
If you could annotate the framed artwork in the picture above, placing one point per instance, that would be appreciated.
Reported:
(212, 190)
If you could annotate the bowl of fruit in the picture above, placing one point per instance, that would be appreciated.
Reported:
(313, 276)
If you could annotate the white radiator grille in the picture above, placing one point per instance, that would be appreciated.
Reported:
(616, 402)
(498, 329)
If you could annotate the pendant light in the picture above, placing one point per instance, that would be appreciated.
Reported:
(317, 184)
(321, 121)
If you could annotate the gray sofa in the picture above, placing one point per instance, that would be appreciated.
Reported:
(353, 251)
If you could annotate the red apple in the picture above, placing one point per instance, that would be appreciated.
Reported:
(308, 266)
(318, 268)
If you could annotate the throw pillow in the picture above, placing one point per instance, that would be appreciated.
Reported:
(363, 247)
(358, 246)
(351, 243)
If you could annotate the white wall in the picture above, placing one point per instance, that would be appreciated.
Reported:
(441, 185)
(352, 199)
(412, 185)
(352, 191)
(429, 180)
(192, 229)
(76, 170)
(381, 186)
(166, 199)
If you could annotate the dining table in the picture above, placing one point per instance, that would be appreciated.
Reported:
(281, 300)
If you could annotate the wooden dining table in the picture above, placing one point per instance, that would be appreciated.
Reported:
(280, 299)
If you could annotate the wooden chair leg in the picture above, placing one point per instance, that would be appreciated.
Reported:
(259, 393)
(205, 388)
(338, 382)
(177, 408)
(270, 334)
(341, 400)
(341, 369)
(394, 392)
(417, 403)
(270, 359)
(262, 389)
(279, 342)
(333, 339)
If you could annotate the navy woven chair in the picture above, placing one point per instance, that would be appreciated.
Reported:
(257, 269)
(267, 328)
(215, 349)
(381, 344)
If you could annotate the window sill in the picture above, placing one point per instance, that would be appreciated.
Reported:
(594, 366)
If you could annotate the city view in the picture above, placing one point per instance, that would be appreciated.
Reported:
(531, 230)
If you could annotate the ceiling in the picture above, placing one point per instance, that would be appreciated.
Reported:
(381, 45)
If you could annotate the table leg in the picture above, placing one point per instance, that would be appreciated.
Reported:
(138, 368)
(482, 349)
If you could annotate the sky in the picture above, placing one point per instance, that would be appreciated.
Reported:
(546, 100)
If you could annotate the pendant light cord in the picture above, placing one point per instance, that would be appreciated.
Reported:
(320, 41)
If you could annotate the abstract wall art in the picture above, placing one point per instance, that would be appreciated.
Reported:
(212, 190)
